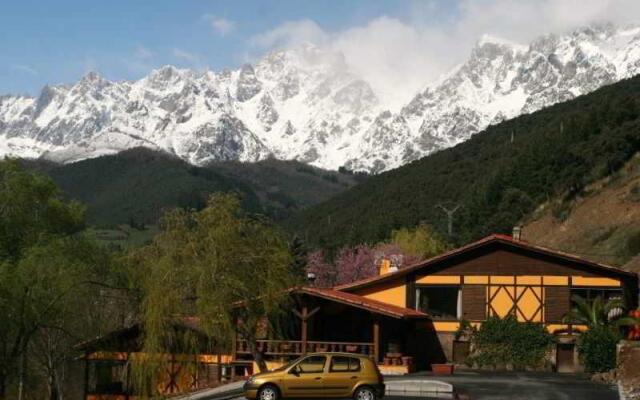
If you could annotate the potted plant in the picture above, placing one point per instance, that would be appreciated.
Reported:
(442, 369)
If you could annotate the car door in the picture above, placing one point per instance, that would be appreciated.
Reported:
(341, 376)
(306, 378)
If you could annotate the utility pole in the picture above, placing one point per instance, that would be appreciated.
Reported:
(449, 212)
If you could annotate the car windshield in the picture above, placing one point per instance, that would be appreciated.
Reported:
(287, 365)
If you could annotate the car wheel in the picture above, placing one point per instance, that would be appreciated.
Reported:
(364, 393)
(268, 392)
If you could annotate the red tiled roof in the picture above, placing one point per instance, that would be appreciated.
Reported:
(495, 238)
(362, 302)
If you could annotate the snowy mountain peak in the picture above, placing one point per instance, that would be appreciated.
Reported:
(305, 104)
(491, 40)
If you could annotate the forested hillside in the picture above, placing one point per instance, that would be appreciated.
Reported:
(495, 178)
(134, 186)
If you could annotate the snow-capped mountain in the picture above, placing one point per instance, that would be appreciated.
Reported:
(305, 104)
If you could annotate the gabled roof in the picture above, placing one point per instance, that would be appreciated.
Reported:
(131, 335)
(354, 300)
(633, 265)
(492, 239)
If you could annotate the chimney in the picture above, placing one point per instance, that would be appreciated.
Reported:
(517, 233)
(385, 266)
(311, 278)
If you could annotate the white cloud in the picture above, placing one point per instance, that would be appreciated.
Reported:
(143, 53)
(220, 25)
(291, 33)
(24, 69)
(397, 56)
(185, 55)
(140, 61)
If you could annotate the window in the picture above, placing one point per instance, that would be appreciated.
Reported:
(439, 301)
(309, 365)
(344, 364)
(606, 294)
(591, 294)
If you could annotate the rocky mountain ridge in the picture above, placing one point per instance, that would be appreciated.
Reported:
(305, 104)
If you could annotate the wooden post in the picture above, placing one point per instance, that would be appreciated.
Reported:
(303, 334)
(234, 342)
(376, 340)
(86, 375)
(304, 317)
(127, 384)
(219, 369)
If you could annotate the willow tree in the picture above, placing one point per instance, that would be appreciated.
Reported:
(227, 268)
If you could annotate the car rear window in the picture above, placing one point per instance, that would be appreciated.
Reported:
(344, 364)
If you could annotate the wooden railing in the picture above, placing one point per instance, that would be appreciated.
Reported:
(297, 347)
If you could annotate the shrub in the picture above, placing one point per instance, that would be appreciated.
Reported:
(507, 342)
(597, 349)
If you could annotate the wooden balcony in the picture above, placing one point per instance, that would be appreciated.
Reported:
(299, 347)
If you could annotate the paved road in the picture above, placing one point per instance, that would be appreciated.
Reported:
(483, 385)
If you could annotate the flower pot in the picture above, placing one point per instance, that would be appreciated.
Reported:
(442, 369)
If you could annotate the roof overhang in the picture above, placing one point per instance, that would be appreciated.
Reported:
(361, 302)
(504, 240)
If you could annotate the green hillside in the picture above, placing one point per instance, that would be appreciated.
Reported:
(134, 186)
(496, 177)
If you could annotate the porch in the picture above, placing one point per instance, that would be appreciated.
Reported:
(325, 320)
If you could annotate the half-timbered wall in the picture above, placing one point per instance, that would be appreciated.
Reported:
(495, 281)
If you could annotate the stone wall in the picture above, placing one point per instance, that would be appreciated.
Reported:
(628, 371)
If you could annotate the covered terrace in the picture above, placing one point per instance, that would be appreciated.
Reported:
(329, 320)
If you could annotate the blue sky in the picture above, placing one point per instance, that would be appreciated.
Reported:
(58, 41)
(397, 45)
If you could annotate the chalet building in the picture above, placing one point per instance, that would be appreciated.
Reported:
(498, 276)
(108, 363)
(407, 319)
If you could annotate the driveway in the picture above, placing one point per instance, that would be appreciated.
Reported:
(489, 385)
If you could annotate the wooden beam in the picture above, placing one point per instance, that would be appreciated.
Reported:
(304, 315)
(315, 310)
(376, 340)
(303, 334)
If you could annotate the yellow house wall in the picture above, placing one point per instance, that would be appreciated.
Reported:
(392, 293)
(590, 281)
(525, 291)
(452, 326)
(439, 280)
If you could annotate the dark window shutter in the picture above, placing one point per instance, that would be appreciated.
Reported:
(557, 303)
(474, 302)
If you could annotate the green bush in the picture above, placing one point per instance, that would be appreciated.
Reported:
(507, 342)
(597, 349)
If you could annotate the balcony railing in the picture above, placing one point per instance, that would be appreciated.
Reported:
(298, 347)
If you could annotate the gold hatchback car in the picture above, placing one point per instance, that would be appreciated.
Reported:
(319, 375)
